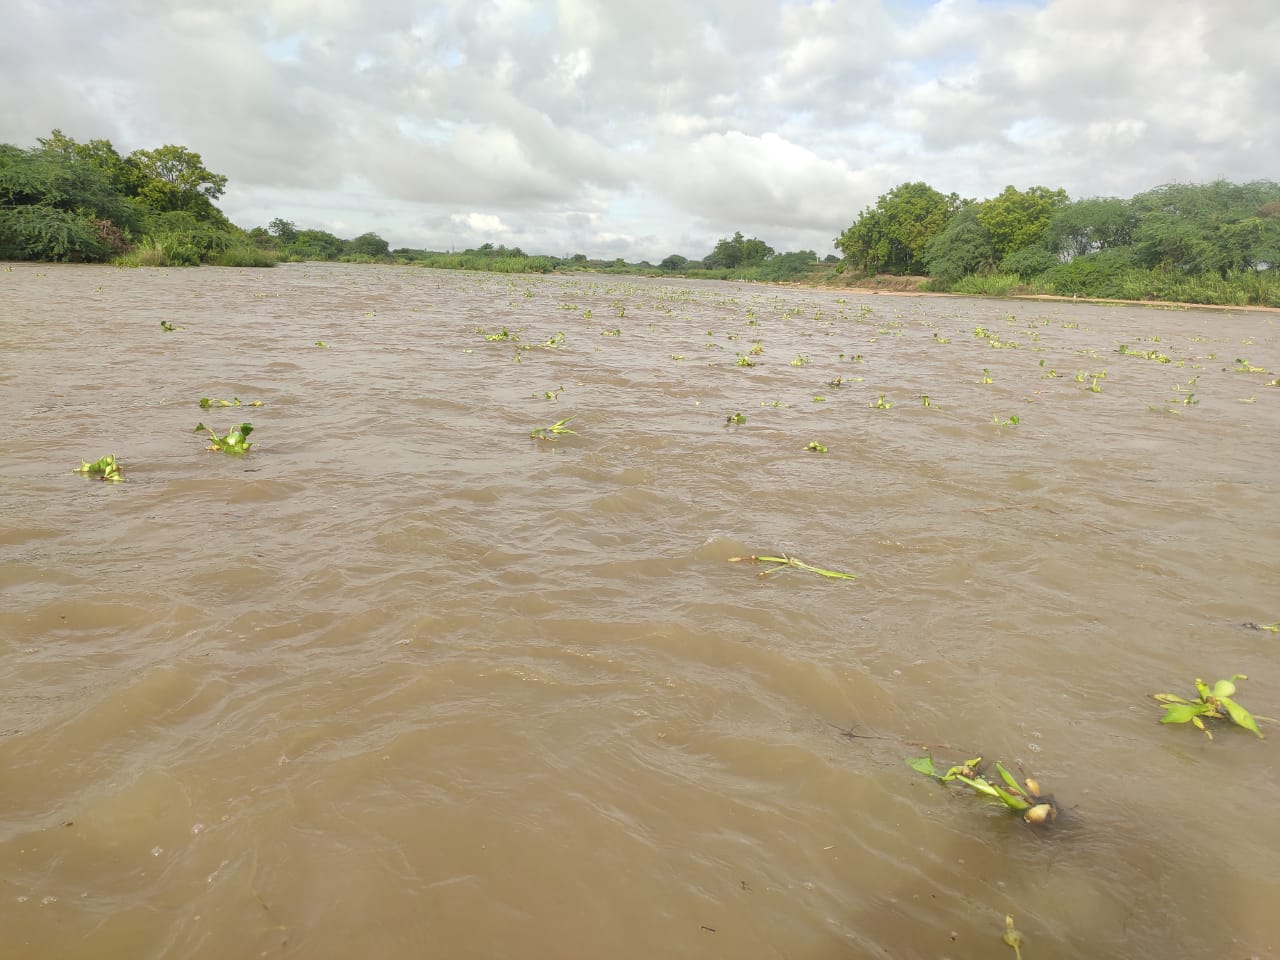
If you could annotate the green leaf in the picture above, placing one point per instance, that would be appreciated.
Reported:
(978, 784)
(1182, 712)
(923, 765)
(1009, 778)
(1010, 800)
(1203, 689)
(1224, 688)
(1240, 716)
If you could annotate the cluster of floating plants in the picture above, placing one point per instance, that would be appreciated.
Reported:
(1037, 808)
(235, 441)
(207, 402)
(785, 562)
(553, 432)
(104, 468)
(1213, 703)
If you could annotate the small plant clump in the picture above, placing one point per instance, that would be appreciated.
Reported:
(1216, 703)
(1026, 798)
(207, 402)
(815, 447)
(235, 442)
(104, 468)
(784, 561)
(553, 432)
(736, 419)
(880, 403)
(168, 327)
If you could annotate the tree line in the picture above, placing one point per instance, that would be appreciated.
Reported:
(63, 200)
(1214, 243)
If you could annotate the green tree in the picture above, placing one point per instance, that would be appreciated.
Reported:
(316, 245)
(286, 231)
(1018, 218)
(964, 247)
(1087, 226)
(674, 263)
(891, 236)
(737, 252)
(175, 178)
(1204, 228)
(368, 245)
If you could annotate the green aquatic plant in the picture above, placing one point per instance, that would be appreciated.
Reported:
(549, 394)
(1244, 366)
(207, 402)
(986, 376)
(502, 335)
(104, 468)
(815, 447)
(744, 361)
(925, 401)
(1011, 422)
(880, 403)
(736, 419)
(1026, 798)
(783, 562)
(236, 440)
(553, 432)
(1012, 937)
(941, 339)
(168, 327)
(615, 332)
(1216, 703)
(800, 361)
(321, 343)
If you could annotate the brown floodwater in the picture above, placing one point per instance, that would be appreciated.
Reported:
(405, 682)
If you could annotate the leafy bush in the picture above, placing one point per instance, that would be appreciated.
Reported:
(989, 285)
(243, 255)
(38, 231)
(1028, 262)
(1100, 274)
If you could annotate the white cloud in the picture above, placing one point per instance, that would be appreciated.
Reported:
(480, 222)
(641, 129)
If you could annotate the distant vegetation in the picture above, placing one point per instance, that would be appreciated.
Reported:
(1203, 243)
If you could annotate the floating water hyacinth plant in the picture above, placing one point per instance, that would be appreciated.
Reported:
(553, 432)
(236, 441)
(1214, 702)
(168, 327)
(104, 468)
(1012, 937)
(207, 402)
(783, 562)
(1036, 808)
(815, 447)
(880, 403)
(736, 419)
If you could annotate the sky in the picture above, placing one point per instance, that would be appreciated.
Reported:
(618, 128)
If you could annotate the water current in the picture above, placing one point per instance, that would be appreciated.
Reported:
(405, 681)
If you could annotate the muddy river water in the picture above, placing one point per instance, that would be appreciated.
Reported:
(406, 682)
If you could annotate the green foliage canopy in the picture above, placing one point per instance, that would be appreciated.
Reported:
(1019, 218)
(891, 236)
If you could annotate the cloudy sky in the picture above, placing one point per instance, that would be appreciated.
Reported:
(640, 129)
